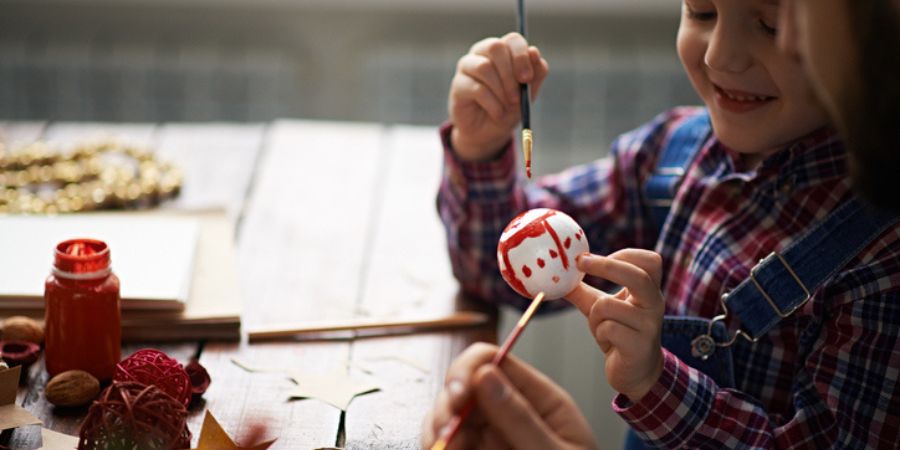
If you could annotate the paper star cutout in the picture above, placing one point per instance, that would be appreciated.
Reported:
(336, 389)
(213, 437)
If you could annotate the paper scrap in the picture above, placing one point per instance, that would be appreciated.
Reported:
(51, 440)
(11, 414)
(213, 437)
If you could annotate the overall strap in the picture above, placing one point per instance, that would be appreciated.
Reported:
(782, 283)
(674, 160)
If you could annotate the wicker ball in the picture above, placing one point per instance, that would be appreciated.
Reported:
(150, 366)
(131, 415)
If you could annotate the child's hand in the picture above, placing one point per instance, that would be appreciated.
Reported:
(484, 94)
(627, 325)
(517, 407)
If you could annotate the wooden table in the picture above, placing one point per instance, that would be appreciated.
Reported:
(332, 220)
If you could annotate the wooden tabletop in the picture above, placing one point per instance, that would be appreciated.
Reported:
(332, 221)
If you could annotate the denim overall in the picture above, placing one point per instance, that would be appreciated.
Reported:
(779, 285)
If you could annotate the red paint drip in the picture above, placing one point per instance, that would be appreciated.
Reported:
(578, 235)
(540, 263)
(534, 229)
(527, 271)
(553, 254)
(568, 242)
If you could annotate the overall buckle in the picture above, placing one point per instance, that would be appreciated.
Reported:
(705, 345)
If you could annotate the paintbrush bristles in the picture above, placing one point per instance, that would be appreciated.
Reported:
(527, 142)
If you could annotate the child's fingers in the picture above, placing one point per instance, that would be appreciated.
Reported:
(468, 92)
(583, 297)
(507, 411)
(499, 54)
(465, 438)
(492, 439)
(610, 334)
(610, 308)
(521, 60)
(441, 413)
(541, 69)
(482, 70)
(602, 337)
(645, 292)
(427, 438)
(536, 388)
(648, 260)
(457, 382)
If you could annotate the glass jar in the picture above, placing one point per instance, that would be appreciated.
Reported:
(82, 328)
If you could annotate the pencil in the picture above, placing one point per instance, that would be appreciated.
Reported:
(456, 421)
(525, 102)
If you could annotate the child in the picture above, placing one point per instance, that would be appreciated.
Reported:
(800, 350)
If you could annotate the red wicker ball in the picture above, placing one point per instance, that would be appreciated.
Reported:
(131, 415)
(150, 366)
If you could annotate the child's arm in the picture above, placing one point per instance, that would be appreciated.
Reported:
(845, 396)
(477, 199)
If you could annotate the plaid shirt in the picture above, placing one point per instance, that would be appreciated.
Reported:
(825, 377)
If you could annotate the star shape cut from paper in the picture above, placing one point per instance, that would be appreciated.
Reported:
(213, 437)
(336, 388)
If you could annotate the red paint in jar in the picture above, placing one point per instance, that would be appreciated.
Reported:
(82, 310)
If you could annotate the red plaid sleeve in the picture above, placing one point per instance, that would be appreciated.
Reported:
(477, 199)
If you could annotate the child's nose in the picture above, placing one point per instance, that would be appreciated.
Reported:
(728, 50)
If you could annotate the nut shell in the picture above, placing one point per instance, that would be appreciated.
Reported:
(21, 328)
(72, 388)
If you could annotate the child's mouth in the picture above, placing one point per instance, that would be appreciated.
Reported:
(739, 101)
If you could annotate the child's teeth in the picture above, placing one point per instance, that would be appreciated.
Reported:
(742, 98)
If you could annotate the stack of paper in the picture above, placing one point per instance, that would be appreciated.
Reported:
(177, 269)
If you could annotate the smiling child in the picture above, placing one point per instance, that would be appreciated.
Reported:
(708, 346)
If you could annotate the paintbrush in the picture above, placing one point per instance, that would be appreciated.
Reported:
(456, 421)
(525, 102)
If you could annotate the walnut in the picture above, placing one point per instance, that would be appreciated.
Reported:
(21, 328)
(72, 388)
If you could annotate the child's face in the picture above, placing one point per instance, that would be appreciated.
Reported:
(758, 97)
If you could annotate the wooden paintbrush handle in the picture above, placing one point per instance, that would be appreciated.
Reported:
(460, 319)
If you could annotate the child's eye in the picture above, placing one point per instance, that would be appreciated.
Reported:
(702, 16)
(771, 31)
